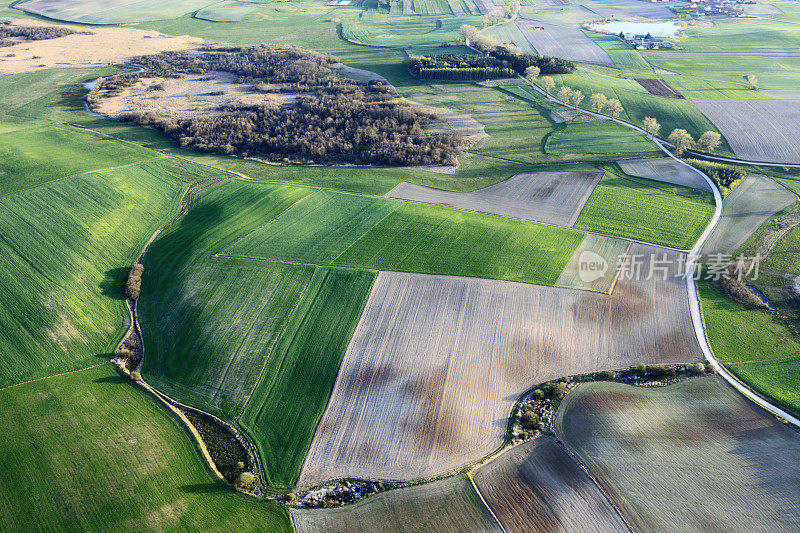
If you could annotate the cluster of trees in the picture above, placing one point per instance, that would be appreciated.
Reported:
(459, 67)
(336, 119)
(498, 16)
(228, 454)
(515, 57)
(727, 177)
(682, 140)
(736, 287)
(9, 35)
(133, 285)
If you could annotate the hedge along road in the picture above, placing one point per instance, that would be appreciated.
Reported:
(694, 300)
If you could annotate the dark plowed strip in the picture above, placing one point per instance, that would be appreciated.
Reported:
(659, 87)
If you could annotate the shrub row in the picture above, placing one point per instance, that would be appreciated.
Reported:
(727, 177)
(225, 450)
(133, 285)
(33, 33)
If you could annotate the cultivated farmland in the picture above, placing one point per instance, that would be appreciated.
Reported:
(33, 156)
(563, 41)
(757, 130)
(550, 197)
(227, 11)
(641, 209)
(664, 169)
(410, 238)
(86, 47)
(446, 506)
(110, 12)
(299, 374)
(598, 137)
(750, 204)
(537, 486)
(400, 408)
(66, 248)
(609, 249)
(89, 452)
(686, 456)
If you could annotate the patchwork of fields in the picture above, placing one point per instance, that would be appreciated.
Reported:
(398, 410)
(685, 456)
(380, 323)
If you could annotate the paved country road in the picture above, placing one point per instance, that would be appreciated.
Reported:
(694, 300)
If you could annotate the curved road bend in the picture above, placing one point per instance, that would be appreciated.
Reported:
(694, 300)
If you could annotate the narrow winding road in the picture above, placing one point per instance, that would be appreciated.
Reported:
(694, 300)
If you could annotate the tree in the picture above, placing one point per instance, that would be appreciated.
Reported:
(696, 368)
(752, 81)
(555, 389)
(598, 102)
(681, 140)
(246, 481)
(651, 126)
(709, 141)
(614, 107)
(547, 83)
(577, 97)
(531, 73)
(467, 32)
(511, 8)
(136, 375)
(564, 94)
(530, 420)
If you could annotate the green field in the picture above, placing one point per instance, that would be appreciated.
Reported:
(297, 381)
(510, 33)
(89, 452)
(317, 229)
(777, 378)
(598, 137)
(66, 249)
(623, 56)
(738, 332)
(209, 324)
(113, 12)
(33, 156)
(228, 11)
(647, 210)
(411, 238)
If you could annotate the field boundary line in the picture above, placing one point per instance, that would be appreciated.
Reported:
(52, 376)
(795, 356)
(585, 470)
(62, 178)
(485, 503)
(694, 299)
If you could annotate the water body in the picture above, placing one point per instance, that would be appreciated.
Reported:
(656, 29)
(763, 297)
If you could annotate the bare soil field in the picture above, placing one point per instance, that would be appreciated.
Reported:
(436, 363)
(448, 505)
(750, 204)
(99, 47)
(549, 197)
(694, 456)
(664, 169)
(562, 41)
(537, 486)
(757, 130)
(594, 249)
(659, 87)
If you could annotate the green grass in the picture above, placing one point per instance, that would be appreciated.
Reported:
(738, 332)
(637, 102)
(510, 33)
(647, 210)
(743, 35)
(89, 452)
(318, 229)
(298, 378)
(778, 378)
(113, 12)
(376, 233)
(228, 11)
(598, 137)
(33, 156)
(65, 250)
(208, 323)
(439, 240)
(623, 56)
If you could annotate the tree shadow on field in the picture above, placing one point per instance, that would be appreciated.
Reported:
(111, 379)
(105, 356)
(203, 488)
(113, 283)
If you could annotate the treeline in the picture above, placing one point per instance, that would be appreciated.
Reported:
(727, 177)
(8, 33)
(459, 67)
(335, 120)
